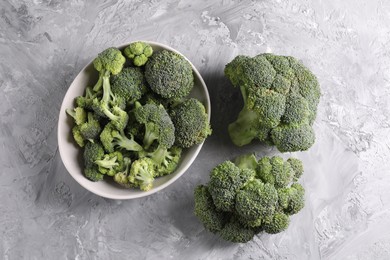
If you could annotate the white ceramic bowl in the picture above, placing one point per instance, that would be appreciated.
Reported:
(71, 154)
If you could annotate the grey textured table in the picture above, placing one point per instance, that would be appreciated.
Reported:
(45, 214)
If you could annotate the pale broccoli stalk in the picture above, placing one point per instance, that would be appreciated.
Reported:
(112, 138)
(138, 52)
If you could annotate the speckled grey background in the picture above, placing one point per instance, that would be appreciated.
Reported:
(45, 214)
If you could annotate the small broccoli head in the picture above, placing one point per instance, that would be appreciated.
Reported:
(90, 129)
(158, 125)
(280, 101)
(93, 173)
(225, 180)
(255, 202)
(129, 84)
(78, 114)
(169, 74)
(92, 152)
(142, 173)
(212, 219)
(109, 61)
(111, 163)
(191, 123)
(169, 162)
(77, 136)
(138, 52)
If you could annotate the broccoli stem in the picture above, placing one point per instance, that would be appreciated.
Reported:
(244, 129)
(108, 164)
(126, 143)
(159, 155)
(150, 135)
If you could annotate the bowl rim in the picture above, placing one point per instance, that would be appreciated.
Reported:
(62, 120)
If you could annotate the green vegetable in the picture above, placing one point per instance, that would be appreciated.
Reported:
(191, 123)
(138, 52)
(129, 85)
(169, 74)
(280, 101)
(123, 126)
(249, 197)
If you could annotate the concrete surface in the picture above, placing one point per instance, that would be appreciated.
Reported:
(45, 214)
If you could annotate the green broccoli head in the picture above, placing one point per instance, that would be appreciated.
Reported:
(109, 61)
(78, 114)
(110, 163)
(93, 173)
(92, 152)
(169, 74)
(142, 173)
(77, 136)
(129, 84)
(158, 125)
(90, 129)
(191, 123)
(212, 219)
(138, 52)
(225, 180)
(121, 177)
(238, 203)
(280, 101)
(169, 162)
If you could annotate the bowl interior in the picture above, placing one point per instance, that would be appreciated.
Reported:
(71, 154)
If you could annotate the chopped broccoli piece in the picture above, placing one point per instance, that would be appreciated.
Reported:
(91, 128)
(191, 123)
(77, 136)
(138, 52)
(169, 74)
(79, 115)
(111, 138)
(121, 177)
(93, 173)
(110, 61)
(142, 173)
(129, 85)
(111, 163)
(92, 152)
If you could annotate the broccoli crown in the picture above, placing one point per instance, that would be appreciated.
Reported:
(92, 152)
(212, 219)
(91, 128)
(250, 196)
(280, 101)
(169, 163)
(169, 74)
(110, 163)
(158, 125)
(109, 61)
(129, 84)
(139, 52)
(191, 123)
